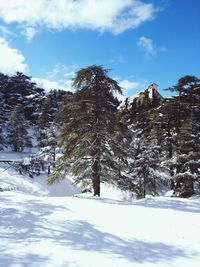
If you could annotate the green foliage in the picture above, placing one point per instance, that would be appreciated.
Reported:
(185, 133)
(18, 136)
(96, 143)
(174, 126)
(88, 134)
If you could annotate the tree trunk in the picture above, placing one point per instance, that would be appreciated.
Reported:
(154, 186)
(54, 153)
(49, 169)
(170, 154)
(96, 178)
(139, 195)
(15, 148)
(144, 186)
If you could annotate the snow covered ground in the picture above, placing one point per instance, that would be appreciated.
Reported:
(46, 227)
(78, 232)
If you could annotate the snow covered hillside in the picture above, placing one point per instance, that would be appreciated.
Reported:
(70, 231)
(46, 231)
(11, 180)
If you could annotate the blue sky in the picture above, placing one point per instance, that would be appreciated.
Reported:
(140, 41)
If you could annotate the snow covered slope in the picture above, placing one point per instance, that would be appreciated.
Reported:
(44, 226)
(11, 180)
(77, 232)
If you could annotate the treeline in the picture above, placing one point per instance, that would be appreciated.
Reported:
(140, 146)
(26, 112)
(166, 141)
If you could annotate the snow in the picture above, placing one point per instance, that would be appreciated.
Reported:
(32, 96)
(72, 231)
(11, 180)
(13, 156)
(129, 100)
(56, 226)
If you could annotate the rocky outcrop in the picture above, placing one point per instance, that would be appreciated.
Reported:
(147, 97)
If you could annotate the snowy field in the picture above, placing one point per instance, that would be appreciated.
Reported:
(40, 227)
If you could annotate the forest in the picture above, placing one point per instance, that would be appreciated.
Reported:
(143, 144)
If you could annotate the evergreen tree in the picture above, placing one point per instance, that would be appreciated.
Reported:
(122, 139)
(18, 136)
(47, 153)
(187, 87)
(2, 121)
(3, 112)
(3, 83)
(19, 89)
(56, 98)
(144, 166)
(43, 123)
(88, 126)
(2, 139)
(163, 129)
(185, 161)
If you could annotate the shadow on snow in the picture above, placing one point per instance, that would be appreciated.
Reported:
(30, 224)
(170, 203)
(177, 204)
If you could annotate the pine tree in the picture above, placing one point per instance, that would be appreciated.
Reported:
(3, 112)
(43, 123)
(163, 129)
(47, 153)
(2, 139)
(19, 89)
(3, 83)
(122, 139)
(2, 121)
(18, 136)
(88, 127)
(185, 160)
(144, 166)
(187, 87)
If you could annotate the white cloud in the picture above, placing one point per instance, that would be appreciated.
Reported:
(68, 85)
(125, 84)
(70, 74)
(129, 88)
(147, 45)
(54, 72)
(60, 77)
(11, 59)
(29, 32)
(62, 70)
(5, 31)
(115, 16)
(46, 84)
(51, 85)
